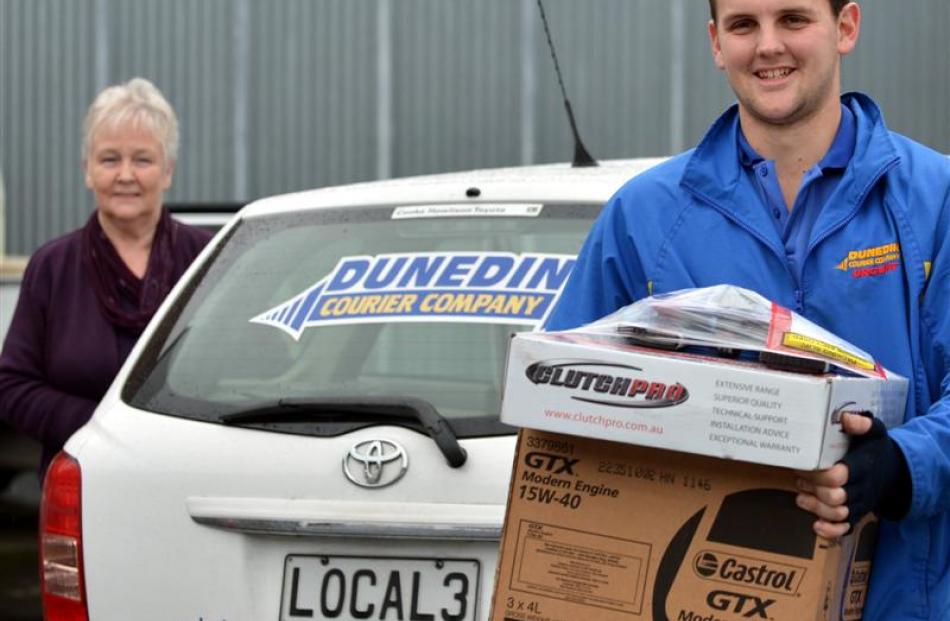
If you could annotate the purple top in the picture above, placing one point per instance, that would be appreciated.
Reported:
(61, 353)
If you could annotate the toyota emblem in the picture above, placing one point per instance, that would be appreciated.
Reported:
(375, 463)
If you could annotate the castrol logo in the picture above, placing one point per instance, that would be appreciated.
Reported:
(733, 569)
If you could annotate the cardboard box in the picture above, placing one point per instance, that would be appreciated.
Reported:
(602, 531)
(584, 385)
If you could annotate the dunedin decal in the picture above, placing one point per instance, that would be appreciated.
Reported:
(486, 287)
(607, 384)
(875, 261)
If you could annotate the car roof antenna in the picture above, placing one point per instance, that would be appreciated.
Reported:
(581, 156)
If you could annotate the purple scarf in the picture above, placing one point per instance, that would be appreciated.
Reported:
(126, 300)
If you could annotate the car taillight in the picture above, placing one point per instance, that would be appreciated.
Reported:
(61, 573)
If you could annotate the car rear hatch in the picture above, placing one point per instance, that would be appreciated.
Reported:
(231, 523)
(311, 430)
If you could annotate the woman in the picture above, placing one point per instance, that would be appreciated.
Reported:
(86, 296)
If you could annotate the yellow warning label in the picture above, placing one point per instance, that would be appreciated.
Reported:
(813, 345)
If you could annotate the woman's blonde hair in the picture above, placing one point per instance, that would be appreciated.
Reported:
(137, 103)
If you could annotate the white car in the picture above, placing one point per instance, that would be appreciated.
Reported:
(309, 428)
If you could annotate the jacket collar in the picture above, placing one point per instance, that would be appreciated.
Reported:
(714, 171)
(838, 155)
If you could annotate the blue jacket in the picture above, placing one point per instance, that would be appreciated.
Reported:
(877, 273)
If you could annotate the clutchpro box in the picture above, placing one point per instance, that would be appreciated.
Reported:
(603, 531)
(585, 385)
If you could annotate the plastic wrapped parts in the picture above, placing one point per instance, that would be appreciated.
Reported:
(731, 322)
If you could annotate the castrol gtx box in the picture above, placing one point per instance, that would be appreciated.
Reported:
(601, 386)
(604, 531)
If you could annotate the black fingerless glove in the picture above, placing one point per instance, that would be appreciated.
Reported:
(878, 476)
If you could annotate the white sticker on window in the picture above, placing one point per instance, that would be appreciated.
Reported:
(484, 287)
(458, 211)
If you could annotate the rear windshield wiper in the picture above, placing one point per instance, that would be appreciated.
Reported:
(318, 408)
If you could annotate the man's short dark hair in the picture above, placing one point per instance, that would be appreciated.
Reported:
(836, 6)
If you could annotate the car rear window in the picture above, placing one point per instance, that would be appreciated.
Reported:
(360, 302)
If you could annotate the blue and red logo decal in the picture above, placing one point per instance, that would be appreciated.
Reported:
(485, 287)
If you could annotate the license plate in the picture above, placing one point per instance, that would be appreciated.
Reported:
(352, 588)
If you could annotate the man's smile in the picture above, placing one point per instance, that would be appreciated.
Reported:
(776, 73)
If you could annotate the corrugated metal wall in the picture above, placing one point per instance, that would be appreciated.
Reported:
(282, 95)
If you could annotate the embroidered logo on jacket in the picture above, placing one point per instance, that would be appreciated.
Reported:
(875, 261)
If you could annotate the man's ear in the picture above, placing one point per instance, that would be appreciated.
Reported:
(849, 27)
(714, 44)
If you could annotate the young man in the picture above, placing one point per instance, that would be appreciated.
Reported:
(783, 192)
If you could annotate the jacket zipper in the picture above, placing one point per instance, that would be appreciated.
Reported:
(797, 290)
